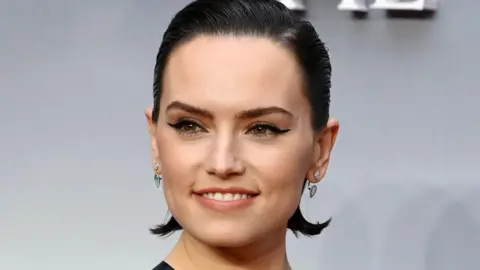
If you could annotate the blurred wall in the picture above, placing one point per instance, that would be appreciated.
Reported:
(76, 189)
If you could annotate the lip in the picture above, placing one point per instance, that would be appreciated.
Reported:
(225, 206)
(233, 190)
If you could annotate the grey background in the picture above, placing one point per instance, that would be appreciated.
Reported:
(76, 189)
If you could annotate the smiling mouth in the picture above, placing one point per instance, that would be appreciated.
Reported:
(217, 196)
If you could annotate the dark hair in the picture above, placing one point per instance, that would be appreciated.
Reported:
(263, 18)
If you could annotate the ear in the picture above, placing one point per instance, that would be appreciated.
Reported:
(153, 139)
(325, 140)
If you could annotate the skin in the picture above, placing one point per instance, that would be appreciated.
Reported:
(228, 79)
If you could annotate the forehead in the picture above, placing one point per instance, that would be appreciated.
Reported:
(233, 70)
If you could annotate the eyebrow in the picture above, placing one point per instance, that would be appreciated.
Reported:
(248, 114)
(189, 108)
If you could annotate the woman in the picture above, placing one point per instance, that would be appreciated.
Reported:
(239, 126)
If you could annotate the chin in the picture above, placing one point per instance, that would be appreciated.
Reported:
(225, 236)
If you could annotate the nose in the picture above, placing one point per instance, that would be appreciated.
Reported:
(223, 160)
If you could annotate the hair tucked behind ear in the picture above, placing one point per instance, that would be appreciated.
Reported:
(263, 18)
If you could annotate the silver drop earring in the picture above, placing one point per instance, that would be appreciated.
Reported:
(157, 177)
(313, 188)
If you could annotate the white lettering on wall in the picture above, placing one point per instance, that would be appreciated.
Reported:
(353, 5)
(416, 5)
(296, 5)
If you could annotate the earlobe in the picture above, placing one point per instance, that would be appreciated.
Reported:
(314, 175)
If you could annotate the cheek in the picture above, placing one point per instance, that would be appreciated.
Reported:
(281, 171)
(178, 158)
(178, 168)
(282, 164)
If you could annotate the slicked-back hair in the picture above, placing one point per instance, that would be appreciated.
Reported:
(263, 18)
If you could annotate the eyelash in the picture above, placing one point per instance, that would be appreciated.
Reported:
(271, 130)
(181, 125)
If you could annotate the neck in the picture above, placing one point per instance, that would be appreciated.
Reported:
(268, 253)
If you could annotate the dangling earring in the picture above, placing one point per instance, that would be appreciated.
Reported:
(313, 188)
(157, 176)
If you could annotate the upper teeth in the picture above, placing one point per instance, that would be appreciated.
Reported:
(226, 196)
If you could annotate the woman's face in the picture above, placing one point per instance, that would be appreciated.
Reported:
(234, 138)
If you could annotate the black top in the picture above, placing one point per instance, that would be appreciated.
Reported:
(163, 266)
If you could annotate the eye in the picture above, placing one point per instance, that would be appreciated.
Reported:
(264, 129)
(187, 127)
